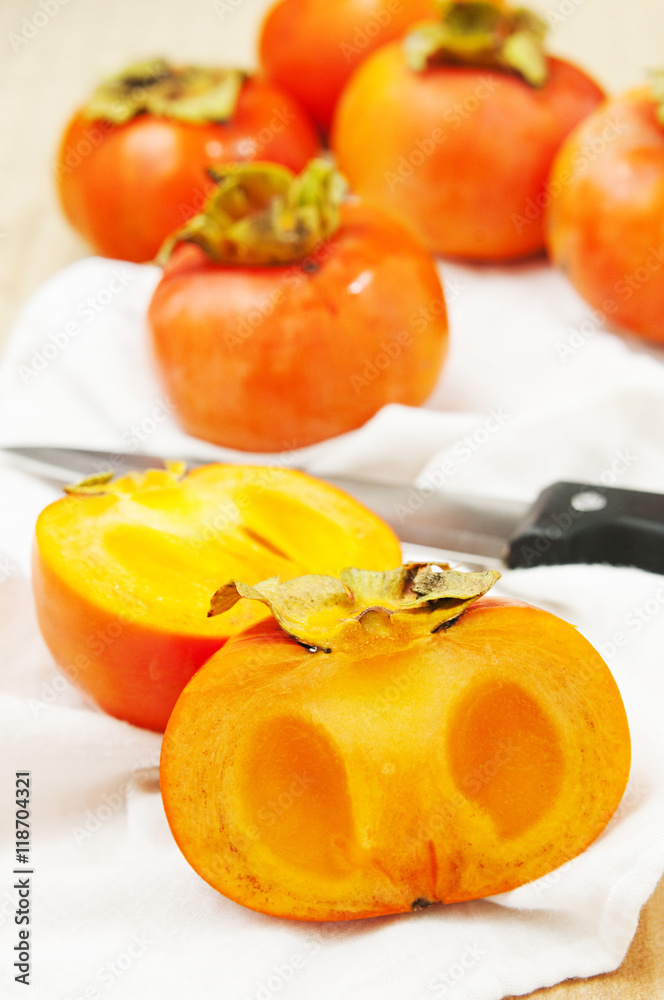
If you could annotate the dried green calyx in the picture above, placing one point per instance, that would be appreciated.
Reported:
(481, 34)
(262, 214)
(103, 483)
(194, 94)
(323, 611)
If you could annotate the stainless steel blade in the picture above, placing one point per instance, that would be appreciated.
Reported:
(463, 524)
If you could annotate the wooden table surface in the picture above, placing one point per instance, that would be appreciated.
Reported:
(53, 51)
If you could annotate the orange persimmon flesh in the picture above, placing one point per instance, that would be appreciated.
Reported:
(397, 769)
(122, 579)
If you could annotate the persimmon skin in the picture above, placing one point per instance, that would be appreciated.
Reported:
(131, 637)
(459, 154)
(605, 222)
(311, 47)
(361, 782)
(125, 188)
(274, 358)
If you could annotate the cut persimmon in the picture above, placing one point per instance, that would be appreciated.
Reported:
(405, 741)
(123, 570)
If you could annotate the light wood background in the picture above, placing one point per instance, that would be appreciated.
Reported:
(73, 43)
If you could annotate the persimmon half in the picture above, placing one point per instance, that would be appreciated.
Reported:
(605, 220)
(296, 315)
(132, 163)
(123, 570)
(454, 130)
(391, 740)
(311, 47)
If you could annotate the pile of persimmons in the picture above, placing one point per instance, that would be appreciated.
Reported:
(343, 742)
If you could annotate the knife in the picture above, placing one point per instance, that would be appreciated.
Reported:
(567, 523)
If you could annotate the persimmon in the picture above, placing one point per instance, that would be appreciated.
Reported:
(296, 315)
(123, 570)
(455, 129)
(391, 740)
(605, 218)
(311, 47)
(132, 164)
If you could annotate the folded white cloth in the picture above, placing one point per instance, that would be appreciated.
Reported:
(535, 390)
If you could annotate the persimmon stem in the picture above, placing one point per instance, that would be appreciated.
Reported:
(263, 214)
(482, 34)
(321, 611)
(193, 94)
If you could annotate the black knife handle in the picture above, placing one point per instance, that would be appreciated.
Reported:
(578, 523)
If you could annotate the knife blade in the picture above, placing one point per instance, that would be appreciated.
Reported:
(568, 522)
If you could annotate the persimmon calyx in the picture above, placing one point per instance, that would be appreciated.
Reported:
(263, 214)
(481, 34)
(195, 94)
(324, 611)
(104, 483)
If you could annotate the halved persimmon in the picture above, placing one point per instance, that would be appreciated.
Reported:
(396, 740)
(123, 570)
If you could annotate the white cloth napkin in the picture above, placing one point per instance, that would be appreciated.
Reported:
(536, 389)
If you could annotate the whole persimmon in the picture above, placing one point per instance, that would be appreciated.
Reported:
(296, 315)
(311, 47)
(455, 128)
(605, 219)
(132, 164)
(394, 741)
(123, 570)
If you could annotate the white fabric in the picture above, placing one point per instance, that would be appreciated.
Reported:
(535, 390)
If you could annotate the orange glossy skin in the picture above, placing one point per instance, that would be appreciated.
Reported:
(312, 47)
(458, 154)
(606, 218)
(449, 767)
(122, 583)
(275, 358)
(125, 188)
